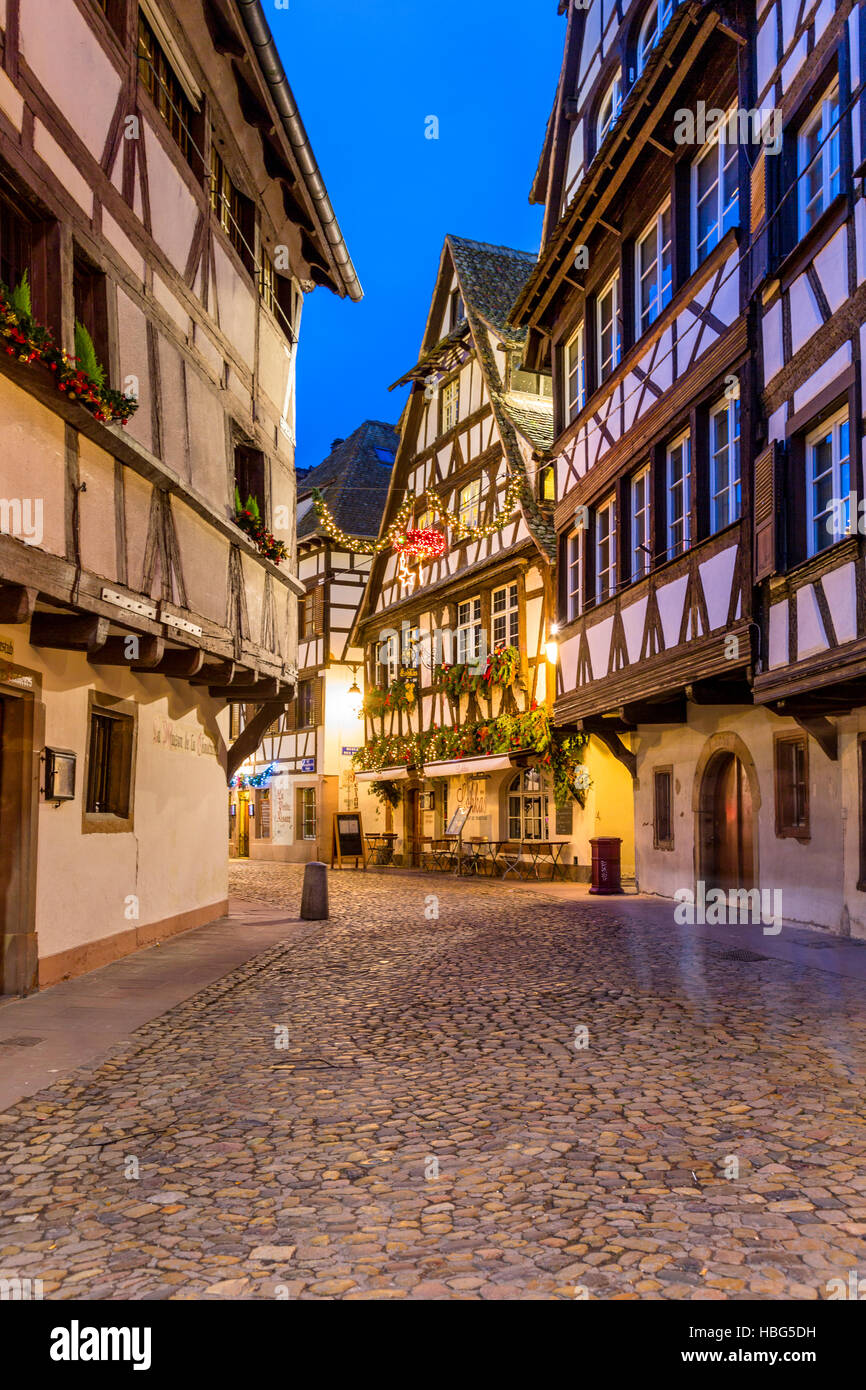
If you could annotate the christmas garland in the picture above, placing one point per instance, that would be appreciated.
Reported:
(81, 378)
(561, 754)
(397, 534)
(245, 780)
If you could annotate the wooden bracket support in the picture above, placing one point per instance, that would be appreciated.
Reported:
(823, 731)
(614, 743)
(252, 734)
(73, 633)
(17, 603)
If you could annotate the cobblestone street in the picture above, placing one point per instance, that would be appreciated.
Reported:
(433, 1127)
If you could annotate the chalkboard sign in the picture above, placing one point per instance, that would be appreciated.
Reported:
(458, 821)
(348, 841)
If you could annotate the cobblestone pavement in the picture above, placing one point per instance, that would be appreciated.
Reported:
(417, 1044)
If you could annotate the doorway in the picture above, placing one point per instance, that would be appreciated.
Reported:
(726, 819)
(413, 826)
(243, 819)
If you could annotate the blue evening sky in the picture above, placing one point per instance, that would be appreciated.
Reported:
(366, 74)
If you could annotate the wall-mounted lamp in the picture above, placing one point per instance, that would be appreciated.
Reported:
(354, 692)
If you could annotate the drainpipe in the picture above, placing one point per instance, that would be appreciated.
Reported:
(272, 68)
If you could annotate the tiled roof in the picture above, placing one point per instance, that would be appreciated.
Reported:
(533, 417)
(491, 277)
(354, 481)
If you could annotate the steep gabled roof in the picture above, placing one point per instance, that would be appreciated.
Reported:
(354, 480)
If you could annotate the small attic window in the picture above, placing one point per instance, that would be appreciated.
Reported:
(385, 455)
(456, 311)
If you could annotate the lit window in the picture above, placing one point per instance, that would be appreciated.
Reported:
(574, 573)
(450, 405)
(506, 617)
(715, 195)
(609, 338)
(161, 82)
(389, 660)
(653, 270)
(469, 506)
(468, 631)
(307, 815)
(609, 109)
(605, 550)
(527, 807)
(679, 495)
(818, 163)
(828, 482)
(640, 524)
(725, 463)
(575, 374)
(652, 29)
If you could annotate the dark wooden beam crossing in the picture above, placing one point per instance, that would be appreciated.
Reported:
(215, 673)
(181, 663)
(653, 712)
(719, 693)
(823, 731)
(17, 603)
(252, 734)
(138, 651)
(252, 694)
(70, 633)
(611, 739)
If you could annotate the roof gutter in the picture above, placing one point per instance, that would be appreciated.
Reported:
(272, 68)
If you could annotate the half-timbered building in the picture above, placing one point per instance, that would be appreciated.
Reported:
(457, 623)
(161, 219)
(697, 301)
(305, 762)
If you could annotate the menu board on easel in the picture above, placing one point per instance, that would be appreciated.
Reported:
(348, 839)
(458, 821)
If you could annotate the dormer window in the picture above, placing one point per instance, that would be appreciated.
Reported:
(456, 312)
(655, 22)
(608, 111)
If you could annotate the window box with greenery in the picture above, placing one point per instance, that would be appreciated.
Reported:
(80, 378)
(249, 519)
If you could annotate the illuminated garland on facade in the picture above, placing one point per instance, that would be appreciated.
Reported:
(398, 532)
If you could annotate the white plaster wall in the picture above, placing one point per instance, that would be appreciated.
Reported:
(174, 859)
(808, 873)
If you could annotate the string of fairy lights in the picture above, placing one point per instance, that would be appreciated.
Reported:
(399, 534)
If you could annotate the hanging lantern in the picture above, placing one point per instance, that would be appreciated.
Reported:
(422, 545)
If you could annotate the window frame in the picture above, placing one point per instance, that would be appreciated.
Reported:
(574, 561)
(840, 490)
(157, 75)
(613, 287)
(791, 830)
(605, 588)
(823, 155)
(660, 12)
(575, 400)
(671, 553)
(518, 792)
(509, 615)
(713, 148)
(663, 297)
(307, 829)
(613, 98)
(640, 558)
(730, 408)
(663, 842)
(468, 507)
(122, 715)
(449, 397)
(466, 625)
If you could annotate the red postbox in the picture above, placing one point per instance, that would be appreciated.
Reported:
(606, 855)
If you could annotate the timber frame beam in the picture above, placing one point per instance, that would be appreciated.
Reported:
(252, 734)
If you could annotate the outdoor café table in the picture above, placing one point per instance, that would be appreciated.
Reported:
(471, 854)
(548, 851)
(381, 848)
(492, 855)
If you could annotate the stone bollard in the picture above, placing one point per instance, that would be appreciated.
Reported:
(314, 899)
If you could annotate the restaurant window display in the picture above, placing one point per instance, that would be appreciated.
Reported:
(528, 807)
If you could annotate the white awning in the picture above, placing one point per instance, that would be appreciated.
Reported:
(494, 762)
(384, 774)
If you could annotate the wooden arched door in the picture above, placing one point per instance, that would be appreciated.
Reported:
(727, 851)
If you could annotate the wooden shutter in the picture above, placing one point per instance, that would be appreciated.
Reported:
(318, 699)
(759, 263)
(766, 511)
(319, 610)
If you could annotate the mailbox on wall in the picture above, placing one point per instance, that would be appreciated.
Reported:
(60, 774)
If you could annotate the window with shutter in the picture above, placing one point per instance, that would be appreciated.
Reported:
(765, 509)
(792, 786)
(663, 808)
